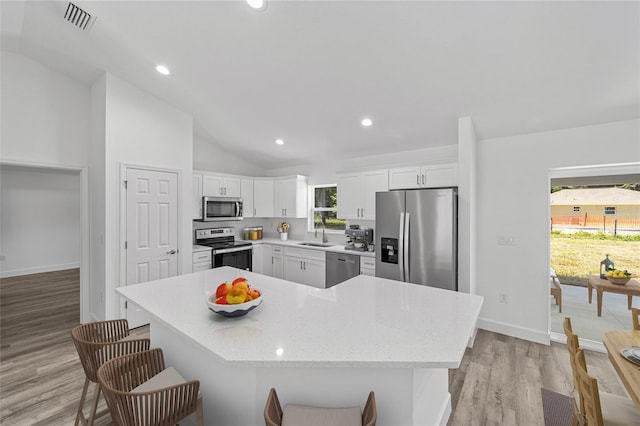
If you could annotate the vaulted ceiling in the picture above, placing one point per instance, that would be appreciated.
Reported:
(308, 71)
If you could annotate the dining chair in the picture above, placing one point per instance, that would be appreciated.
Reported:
(635, 316)
(573, 344)
(555, 289)
(96, 343)
(601, 408)
(303, 415)
(141, 391)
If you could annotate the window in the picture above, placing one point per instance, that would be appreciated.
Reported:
(610, 210)
(324, 208)
(576, 208)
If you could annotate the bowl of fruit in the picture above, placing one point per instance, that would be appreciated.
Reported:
(234, 299)
(617, 276)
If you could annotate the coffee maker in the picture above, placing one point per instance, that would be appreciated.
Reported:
(358, 239)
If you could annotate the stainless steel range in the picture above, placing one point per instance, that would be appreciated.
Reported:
(226, 251)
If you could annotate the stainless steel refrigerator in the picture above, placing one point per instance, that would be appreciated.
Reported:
(417, 238)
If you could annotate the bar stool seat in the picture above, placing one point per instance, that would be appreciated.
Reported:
(303, 415)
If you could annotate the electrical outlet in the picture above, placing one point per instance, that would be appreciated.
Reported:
(504, 298)
(506, 240)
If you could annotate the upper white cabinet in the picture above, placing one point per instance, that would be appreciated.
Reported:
(263, 197)
(432, 176)
(246, 192)
(220, 185)
(357, 193)
(197, 196)
(290, 197)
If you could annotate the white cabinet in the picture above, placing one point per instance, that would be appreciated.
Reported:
(201, 260)
(257, 259)
(220, 185)
(277, 262)
(273, 260)
(432, 176)
(290, 197)
(368, 266)
(246, 192)
(305, 266)
(357, 193)
(263, 197)
(197, 196)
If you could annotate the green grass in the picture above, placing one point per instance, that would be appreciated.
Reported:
(574, 256)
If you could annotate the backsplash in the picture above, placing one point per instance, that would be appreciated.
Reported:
(297, 228)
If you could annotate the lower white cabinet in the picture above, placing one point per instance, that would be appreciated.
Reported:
(305, 266)
(201, 260)
(277, 262)
(368, 266)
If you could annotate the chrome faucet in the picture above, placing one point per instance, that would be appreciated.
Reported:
(324, 237)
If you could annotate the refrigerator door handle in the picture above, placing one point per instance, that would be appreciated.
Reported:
(405, 249)
(401, 246)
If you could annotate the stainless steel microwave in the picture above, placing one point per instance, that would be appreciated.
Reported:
(221, 208)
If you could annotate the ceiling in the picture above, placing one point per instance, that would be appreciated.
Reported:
(308, 71)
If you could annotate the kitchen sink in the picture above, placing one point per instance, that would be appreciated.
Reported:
(316, 244)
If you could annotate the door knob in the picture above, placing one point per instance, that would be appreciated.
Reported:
(174, 251)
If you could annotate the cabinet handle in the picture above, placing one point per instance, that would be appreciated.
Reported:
(417, 179)
(305, 265)
(362, 212)
(301, 264)
(285, 211)
(423, 179)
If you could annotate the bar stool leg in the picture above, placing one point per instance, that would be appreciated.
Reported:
(94, 404)
(199, 414)
(79, 414)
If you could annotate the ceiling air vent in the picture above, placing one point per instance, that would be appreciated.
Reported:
(79, 17)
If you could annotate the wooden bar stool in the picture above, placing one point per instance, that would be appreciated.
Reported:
(635, 316)
(140, 390)
(302, 415)
(96, 343)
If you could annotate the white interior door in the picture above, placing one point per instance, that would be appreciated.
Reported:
(151, 229)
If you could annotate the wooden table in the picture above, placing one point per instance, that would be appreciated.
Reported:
(632, 288)
(629, 372)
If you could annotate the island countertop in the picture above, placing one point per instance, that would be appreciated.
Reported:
(365, 322)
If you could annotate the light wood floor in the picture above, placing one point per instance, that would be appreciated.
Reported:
(498, 382)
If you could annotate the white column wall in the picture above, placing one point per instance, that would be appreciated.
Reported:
(143, 130)
(513, 201)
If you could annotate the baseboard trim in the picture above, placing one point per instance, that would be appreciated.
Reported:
(38, 270)
(514, 331)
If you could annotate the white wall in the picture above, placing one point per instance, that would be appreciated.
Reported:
(40, 220)
(45, 114)
(209, 156)
(326, 171)
(142, 130)
(513, 201)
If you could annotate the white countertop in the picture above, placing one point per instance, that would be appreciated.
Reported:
(296, 243)
(196, 248)
(362, 322)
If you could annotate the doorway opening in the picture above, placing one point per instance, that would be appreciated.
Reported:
(44, 224)
(594, 212)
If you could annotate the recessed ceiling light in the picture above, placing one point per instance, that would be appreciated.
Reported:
(162, 70)
(279, 142)
(257, 4)
(366, 122)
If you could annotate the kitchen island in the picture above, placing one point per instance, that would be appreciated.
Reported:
(325, 347)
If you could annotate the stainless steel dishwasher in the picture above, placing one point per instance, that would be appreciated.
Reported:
(341, 267)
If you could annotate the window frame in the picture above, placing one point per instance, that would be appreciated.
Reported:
(313, 209)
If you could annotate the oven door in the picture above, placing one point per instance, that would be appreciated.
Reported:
(238, 257)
